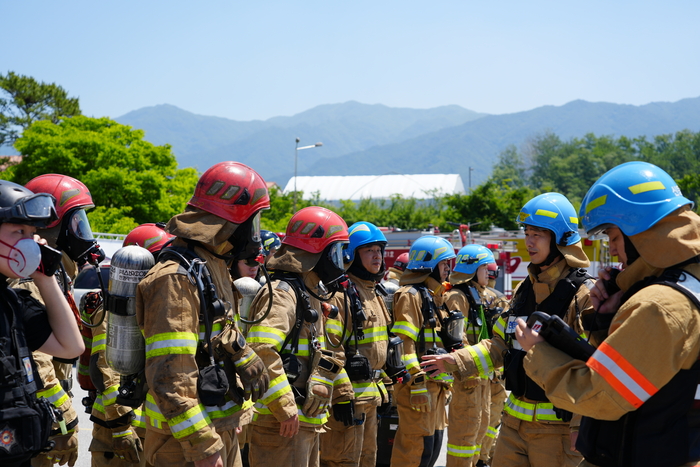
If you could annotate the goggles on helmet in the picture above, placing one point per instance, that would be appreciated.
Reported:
(335, 254)
(80, 226)
(38, 209)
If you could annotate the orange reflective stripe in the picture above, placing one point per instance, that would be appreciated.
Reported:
(621, 375)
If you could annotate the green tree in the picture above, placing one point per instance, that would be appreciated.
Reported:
(23, 101)
(132, 180)
(510, 168)
(489, 204)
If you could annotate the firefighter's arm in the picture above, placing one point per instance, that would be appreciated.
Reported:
(55, 394)
(170, 309)
(337, 334)
(266, 339)
(408, 322)
(623, 373)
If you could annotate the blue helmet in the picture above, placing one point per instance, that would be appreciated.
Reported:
(269, 241)
(428, 251)
(470, 257)
(362, 233)
(632, 196)
(554, 212)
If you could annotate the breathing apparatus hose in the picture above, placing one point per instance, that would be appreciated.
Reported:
(102, 308)
(268, 281)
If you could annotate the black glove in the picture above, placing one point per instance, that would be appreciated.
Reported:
(345, 412)
(385, 407)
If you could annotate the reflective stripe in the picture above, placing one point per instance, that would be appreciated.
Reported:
(621, 375)
(122, 434)
(215, 330)
(99, 342)
(482, 359)
(366, 389)
(158, 420)
(405, 328)
(190, 421)
(266, 335)
(318, 420)
(245, 359)
(375, 334)
(463, 451)
(416, 390)
(334, 327)
(646, 186)
(442, 377)
(98, 405)
(411, 361)
(55, 395)
(278, 387)
(499, 329)
(341, 378)
(171, 343)
(109, 396)
(528, 411)
(139, 420)
(492, 432)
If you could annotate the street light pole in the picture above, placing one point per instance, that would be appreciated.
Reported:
(470, 179)
(296, 152)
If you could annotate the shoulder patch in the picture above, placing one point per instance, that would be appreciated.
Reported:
(412, 290)
(283, 285)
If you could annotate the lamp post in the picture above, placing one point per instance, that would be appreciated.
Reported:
(470, 179)
(296, 151)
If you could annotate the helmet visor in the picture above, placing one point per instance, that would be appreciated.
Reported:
(38, 209)
(335, 254)
(79, 225)
(255, 228)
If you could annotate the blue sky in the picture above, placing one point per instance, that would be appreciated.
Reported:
(256, 60)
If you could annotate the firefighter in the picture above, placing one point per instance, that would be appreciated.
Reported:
(396, 270)
(289, 337)
(418, 314)
(471, 395)
(70, 234)
(497, 388)
(270, 243)
(638, 391)
(192, 409)
(118, 431)
(362, 334)
(533, 431)
(28, 325)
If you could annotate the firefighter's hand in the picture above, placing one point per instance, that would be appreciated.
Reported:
(604, 300)
(65, 451)
(249, 367)
(319, 387)
(420, 397)
(212, 461)
(436, 364)
(345, 412)
(527, 338)
(289, 427)
(253, 374)
(385, 408)
(126, 444)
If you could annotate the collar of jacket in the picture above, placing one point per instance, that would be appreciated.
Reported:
(543, 282)
(672, 240)
(457, 278)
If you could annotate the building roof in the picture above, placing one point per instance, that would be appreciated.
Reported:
(356, 187)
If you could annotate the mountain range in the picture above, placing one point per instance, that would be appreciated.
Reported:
(362, 139)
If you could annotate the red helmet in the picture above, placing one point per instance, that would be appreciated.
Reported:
(232, 191)
(69, 193)
(314, 228)
(401, 261)
(149, 236)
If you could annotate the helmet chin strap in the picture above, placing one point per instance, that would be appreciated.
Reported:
(630, 251)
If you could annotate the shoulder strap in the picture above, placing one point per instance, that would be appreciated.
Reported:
(302, 299)
(684, 282)
(559, 300)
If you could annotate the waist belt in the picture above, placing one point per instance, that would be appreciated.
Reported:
(531, 411)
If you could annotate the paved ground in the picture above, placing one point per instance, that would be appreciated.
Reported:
(85, 433)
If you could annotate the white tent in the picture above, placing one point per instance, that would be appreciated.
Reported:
(356, 187)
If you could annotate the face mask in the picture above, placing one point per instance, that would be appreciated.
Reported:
(25, 257)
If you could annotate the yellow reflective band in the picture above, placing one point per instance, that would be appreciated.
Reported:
(439, 251)
(646, 186)
(544, 212)
(523, 216)
(573, 220)
(596, 203)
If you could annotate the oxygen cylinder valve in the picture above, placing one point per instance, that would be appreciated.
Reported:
(329, 311)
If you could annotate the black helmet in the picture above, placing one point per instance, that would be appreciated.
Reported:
(19, 205)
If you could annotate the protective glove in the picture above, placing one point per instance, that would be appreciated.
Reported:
(345, 412)
(126, 444)
(249, 367)
(65, 450)
(319, 387)
(385, 407)
(420, 397)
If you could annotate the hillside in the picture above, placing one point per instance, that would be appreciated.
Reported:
(477, 144)
(201, 141)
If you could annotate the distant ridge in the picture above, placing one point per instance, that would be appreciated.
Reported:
(362, 139)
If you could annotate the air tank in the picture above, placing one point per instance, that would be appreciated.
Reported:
(125, 348)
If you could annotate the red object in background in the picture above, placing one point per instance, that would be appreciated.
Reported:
(509, 264)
